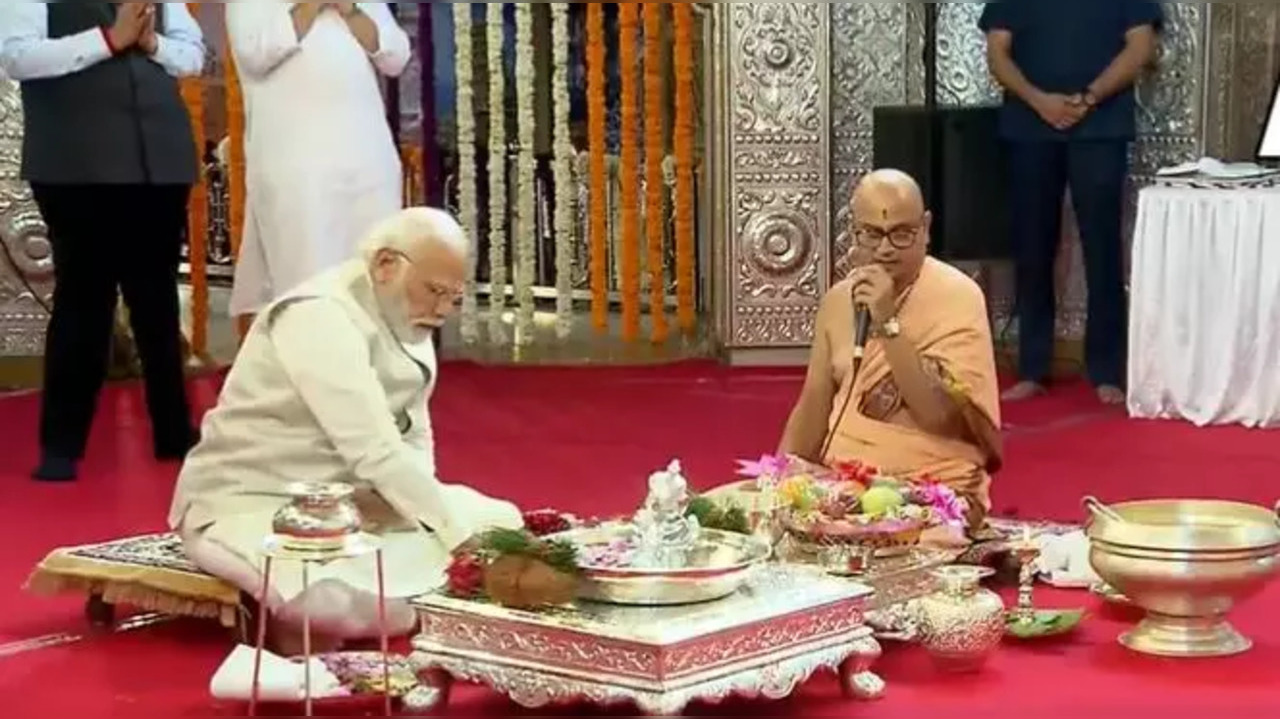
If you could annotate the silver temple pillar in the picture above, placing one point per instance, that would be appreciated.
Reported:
(791, 96)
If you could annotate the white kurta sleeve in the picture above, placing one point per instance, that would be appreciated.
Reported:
(262, 36)
(28, 53)
(394, 52)
(328, 363)
(180, 48)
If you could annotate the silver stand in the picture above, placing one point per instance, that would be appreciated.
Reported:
(278, 548)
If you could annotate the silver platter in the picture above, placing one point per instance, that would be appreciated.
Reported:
(717, 566)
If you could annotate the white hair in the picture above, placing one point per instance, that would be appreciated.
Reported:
(410, 229)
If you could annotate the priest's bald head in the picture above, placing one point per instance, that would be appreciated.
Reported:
(418, 263)
(889, 224)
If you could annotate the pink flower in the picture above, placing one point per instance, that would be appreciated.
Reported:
(943, 500)
(768, 467)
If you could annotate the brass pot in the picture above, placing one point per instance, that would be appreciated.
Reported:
(1187, 563)
(318, 516)
(961, 624)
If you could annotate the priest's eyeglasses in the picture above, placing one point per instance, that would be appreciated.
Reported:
(900, 237)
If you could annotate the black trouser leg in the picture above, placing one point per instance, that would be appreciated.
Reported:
(149, 283)
(1097, 172)
(1038, 174)
(84, 303)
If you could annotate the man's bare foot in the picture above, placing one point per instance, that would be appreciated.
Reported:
(286, 641)
(1023, 390)
(1110, 395)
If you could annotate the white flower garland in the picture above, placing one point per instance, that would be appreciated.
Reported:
(467, 190)
(566, 183)
(497, 172)
(524, 225)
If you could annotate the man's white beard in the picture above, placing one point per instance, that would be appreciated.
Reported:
(395, 312)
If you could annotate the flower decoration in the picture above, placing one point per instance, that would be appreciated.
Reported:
(857, 472)
(465, 576)
(947, 506)
(769, 468)
(544, 522)
(800, 492)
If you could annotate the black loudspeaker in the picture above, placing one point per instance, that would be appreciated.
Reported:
(956, 155)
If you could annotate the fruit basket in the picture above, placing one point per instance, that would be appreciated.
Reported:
(854, 506)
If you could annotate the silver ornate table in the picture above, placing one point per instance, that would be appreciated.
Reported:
(762, 642)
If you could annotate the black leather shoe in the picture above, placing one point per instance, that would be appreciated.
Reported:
(56, 469)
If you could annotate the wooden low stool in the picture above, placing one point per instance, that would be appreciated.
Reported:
(149, 572)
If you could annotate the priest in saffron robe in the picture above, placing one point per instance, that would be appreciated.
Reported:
(321, 165)
(925, 401)
(331, 386)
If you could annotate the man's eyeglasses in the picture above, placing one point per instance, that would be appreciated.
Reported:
(437, 290)
(901, 237)
(440, 291)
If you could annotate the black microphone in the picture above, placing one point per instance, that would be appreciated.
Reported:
(861, 330)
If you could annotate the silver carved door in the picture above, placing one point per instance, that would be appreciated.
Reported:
(791, 133)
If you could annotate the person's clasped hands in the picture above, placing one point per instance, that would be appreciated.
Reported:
(1062, 112)
(135, 26)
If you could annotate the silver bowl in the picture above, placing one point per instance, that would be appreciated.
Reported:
(719, 565)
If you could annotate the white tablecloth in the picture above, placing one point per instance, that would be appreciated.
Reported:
(1204, 324)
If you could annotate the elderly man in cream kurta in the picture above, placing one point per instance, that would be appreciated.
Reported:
(331, 385)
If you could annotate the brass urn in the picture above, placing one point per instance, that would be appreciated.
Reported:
(961, 624)
(319, 516)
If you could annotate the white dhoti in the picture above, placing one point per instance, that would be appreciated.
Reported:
(341, 596)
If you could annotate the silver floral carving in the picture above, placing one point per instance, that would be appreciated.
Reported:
(533, 689)
(785, 625)
(778, 135)
(776, 92)
(26, 265)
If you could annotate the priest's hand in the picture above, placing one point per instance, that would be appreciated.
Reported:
(132, 19)
(873, 288)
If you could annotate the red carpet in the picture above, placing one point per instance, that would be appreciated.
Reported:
(583, 440)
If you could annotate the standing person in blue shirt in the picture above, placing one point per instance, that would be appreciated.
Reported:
(1068, 70)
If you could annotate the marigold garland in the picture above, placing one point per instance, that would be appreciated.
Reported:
(628, 57)
(192, 89)
(235, 154)
(411, 186)
(654, 150)
(598, 177)
(684, 131)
